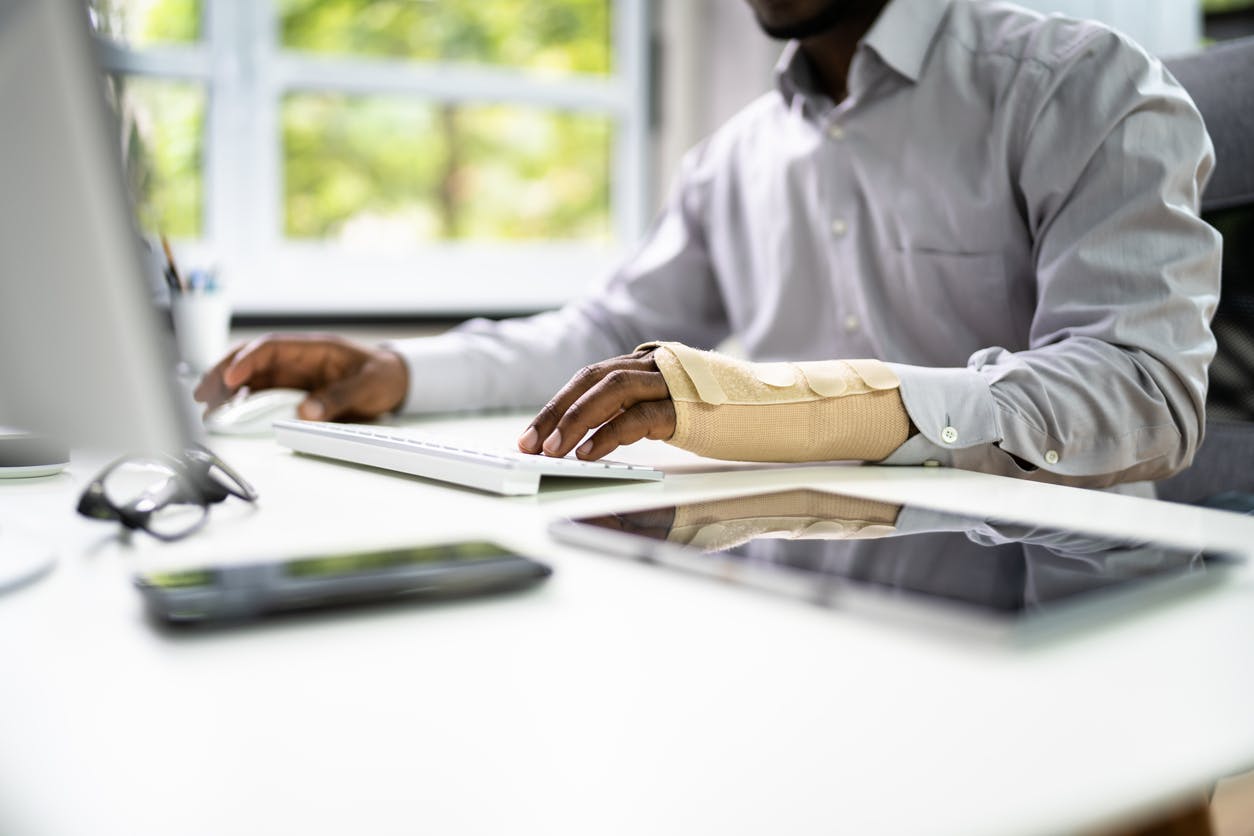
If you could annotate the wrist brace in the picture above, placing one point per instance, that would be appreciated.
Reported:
(781, 412)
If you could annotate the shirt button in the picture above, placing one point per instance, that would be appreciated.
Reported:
(1051, 457)
(949, 435)
(839, 227)
(836, 132)
(931, 463)
(851, 323)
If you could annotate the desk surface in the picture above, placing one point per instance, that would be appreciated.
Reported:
(615, 698)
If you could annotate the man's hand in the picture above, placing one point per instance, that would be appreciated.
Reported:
(346, 381)
(626, 397)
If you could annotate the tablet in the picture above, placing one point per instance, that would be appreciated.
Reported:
(985, 576)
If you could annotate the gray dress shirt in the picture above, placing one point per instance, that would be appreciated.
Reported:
(1004, 208)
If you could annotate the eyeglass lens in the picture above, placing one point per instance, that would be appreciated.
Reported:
(152, 495)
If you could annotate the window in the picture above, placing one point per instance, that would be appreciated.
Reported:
(385, 156)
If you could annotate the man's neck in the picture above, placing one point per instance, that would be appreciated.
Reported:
(831, 53)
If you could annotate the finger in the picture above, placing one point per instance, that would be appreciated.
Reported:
(651, 419)
(212, 389)
(542, 426)
(302, 361)
(337, 401)
(250, 362)
(618, 391)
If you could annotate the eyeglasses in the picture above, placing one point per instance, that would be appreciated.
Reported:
(164, 496)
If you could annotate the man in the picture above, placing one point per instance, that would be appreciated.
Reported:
(997, 210)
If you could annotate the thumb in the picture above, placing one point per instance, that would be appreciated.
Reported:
(333, 401)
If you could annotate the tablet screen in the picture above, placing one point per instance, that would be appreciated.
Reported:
(845, 551)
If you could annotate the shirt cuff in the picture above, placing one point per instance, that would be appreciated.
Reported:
(953, 409)
(437, 378)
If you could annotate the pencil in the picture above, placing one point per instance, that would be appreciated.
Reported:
(174, 268)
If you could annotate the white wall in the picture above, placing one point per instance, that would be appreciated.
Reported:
(714, 61)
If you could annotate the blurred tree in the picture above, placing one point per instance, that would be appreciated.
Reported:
(551, 36)
(383, 169)
(161, 122)
(161, 127)
(455, 172)
(143, 22)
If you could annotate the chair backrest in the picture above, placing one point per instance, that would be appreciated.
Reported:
(1221, 82)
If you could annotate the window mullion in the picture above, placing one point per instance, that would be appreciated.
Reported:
(630, 183)
(177, 62)
(228, 111)
(448, 82)
(265, 135)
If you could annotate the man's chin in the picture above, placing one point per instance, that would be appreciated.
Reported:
(783, 20)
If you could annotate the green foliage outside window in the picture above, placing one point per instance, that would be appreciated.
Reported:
(1219, 6)
(388, 170)
(552, 36)
(163, 130)
(145, 22)
(385, 169)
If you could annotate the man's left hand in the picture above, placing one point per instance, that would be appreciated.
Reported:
(626, 397)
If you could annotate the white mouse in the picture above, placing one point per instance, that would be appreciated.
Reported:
(253, 413)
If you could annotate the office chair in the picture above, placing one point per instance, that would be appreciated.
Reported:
(1221, 82)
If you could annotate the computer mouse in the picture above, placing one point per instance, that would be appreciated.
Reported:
(253, 413)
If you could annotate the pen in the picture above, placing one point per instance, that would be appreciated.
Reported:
(172, 270)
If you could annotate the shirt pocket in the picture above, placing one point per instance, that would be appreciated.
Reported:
(951, 304)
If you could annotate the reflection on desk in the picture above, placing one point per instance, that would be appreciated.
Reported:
(850, 553)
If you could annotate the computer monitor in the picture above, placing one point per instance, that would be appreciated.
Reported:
(83, 357)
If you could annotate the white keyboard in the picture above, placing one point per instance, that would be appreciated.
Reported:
(408, 452)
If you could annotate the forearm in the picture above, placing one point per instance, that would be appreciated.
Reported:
(508, 364)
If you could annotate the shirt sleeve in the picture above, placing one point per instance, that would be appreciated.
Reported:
(665, 291)
(1112, 162)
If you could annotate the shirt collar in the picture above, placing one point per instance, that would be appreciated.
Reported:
(901, 36)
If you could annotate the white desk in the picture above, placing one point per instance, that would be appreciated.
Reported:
(615, 698)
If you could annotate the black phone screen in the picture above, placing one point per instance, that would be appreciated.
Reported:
(231, 593)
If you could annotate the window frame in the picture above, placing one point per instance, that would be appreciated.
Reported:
(246, 73)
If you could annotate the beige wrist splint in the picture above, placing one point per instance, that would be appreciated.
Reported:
(781, 412)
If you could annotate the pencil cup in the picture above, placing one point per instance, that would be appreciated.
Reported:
(202, 323)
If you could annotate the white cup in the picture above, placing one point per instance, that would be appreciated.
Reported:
(202, 324)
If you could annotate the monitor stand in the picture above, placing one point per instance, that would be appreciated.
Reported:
(23, 455)
(26, 455)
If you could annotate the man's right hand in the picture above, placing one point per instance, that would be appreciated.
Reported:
(346, 381)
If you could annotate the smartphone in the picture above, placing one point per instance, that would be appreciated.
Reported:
(237, 593)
